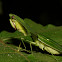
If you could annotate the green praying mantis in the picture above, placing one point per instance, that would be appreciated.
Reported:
(39, 40)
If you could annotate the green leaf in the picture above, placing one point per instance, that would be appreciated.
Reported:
(50, 31)
(9, 53)
(8, 35)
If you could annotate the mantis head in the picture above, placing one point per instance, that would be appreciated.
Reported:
(12, 21)
(18, 23)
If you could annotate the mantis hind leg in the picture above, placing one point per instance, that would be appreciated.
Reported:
(31, 47)
(25, 47)
(24, 44)
(19, 47)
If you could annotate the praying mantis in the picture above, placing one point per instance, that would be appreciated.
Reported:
(39, 40)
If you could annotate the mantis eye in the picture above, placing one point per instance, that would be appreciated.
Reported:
(12, 17)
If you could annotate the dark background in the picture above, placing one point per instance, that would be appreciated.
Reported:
(42, 12)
